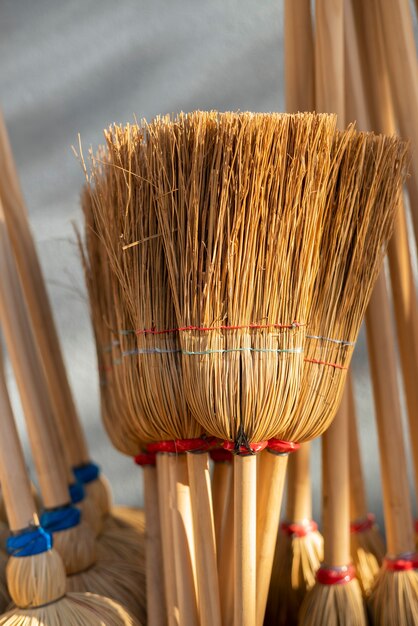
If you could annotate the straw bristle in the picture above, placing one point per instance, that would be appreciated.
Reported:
(91, 514)
(296, 562)
(126, 517)
(125, 544)
(36, 580)
(362, 200)
(123, 582)
(367, 552)
(75, 609)
(394, 598)
(334, 605)
(100, 493)
(77, 547)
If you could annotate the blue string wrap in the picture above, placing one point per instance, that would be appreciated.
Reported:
(61, 519)
(29, 542)
(76, 492)
(87, 473)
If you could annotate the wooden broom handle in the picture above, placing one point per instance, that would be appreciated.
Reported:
(204, 539)
(358, 500)
(299, 485)
(380, 335)
(30, 380)
(402, 279)
(336, 514)
(382, 356)
(298, 56)
(395, 20)
(270, 484)
(39, 306)
(15, 483)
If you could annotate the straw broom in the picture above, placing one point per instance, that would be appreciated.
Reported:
(216, 276)
(367, 545)
(299, 547)
(148, 374)
(35, 572)
(45, 331)
(74, 541)
(336, 598)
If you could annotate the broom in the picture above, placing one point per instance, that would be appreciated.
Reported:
(74, 541)
(299, 547)
(148, 373)
(35, 573)
(45, 332)
(367, 545)
(235, 316)
(336, 597)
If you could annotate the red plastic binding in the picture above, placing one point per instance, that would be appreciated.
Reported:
(145, 458)
(243, 450)
(282, 447)
(402, 564)
(335, 576)
(361, 525)
(299, 530)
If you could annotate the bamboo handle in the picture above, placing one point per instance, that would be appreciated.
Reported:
(402, 279)
(29, 376)
(221, 487)
(270, 483)
(156, 609)
(245, 550)
(167, 539)
(396, 23)
(39, 307)
(358, 500)
(204, 537)
(336, 490)
(15, 483)
(299, 489)
(299, 58)
(226, 562)
(329, 58)
(382, 355)
(183, 537)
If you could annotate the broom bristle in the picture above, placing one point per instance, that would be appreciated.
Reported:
(74, 609)
(77, 547)
(393, 598)
(334, 605)
(99, 491)
(91, 514)
(367, 551)
(123, 582)
(296, 562)
(362, 203)
(36, 580)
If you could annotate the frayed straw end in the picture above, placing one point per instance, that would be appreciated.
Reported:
(394, 598)
(367, 551)
(334, 605)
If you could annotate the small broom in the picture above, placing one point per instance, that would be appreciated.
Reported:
(35, 572)
(335, 599)
(367, 545)
(74, 541)
(299, 547)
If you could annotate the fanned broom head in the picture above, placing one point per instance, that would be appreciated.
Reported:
(239, 201)
(339, 604)
(297, 558)
(362, 199)
(393, 597)
(367, 551)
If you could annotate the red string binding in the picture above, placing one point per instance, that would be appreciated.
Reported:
(282, 447)
(335, 576)
(180, 446)
(220, 455)
(361, 525)
(402, 564)
(145, 458)
(166, 331)
(253, 448)
(299, 530)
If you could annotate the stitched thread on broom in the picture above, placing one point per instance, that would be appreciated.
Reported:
(341, 342)
(166, 331)
(203, 352)
(317, 362)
